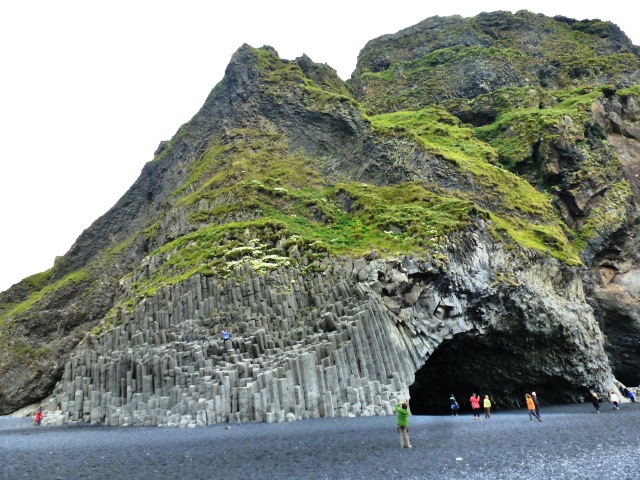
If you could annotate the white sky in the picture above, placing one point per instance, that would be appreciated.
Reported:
(88, 88)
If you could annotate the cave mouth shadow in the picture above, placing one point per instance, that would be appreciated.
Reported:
(491, 364)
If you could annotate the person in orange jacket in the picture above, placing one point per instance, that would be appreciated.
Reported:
(532, 408)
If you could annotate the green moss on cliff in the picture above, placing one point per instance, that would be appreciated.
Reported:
(254, 202)
(610, 215)
(46, 291)
(516, 133)
(442, 134)
(446, 58)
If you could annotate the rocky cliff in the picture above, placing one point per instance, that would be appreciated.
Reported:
(457, 217)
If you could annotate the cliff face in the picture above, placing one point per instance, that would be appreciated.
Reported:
(345, 342)
(444, 58)
(359, 253)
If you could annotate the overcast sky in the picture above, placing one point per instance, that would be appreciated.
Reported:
(88, 89)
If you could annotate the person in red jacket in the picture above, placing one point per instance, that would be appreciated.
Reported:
(39, 416)
(475, 405)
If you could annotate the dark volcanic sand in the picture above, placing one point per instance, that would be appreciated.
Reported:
(572, 442)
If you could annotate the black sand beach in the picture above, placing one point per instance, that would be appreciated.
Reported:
(572, 442)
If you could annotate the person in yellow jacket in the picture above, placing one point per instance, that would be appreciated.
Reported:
(532, 408)
(403, 412)
(487, 406)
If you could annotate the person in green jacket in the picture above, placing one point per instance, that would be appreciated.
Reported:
(403, 412)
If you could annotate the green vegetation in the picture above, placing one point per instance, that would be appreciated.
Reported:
(449, 58)
(515, 132)
(46, 291)
(524, 213)
(30, 284)
(608, 216)
(168, 148)
(323, 86)
(256, 203)
(442, 134)
(264, 201)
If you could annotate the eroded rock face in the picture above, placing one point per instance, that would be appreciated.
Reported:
(443, 58)
(347, 342)
(615, 274)
(615, 296)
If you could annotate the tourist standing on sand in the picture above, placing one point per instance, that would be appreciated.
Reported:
(595, 401)
(487, 406)
(454, 405)
(475, 405)
(615, 400)
(536, 403)
(39, 415)
(532, 408)
(403, 412)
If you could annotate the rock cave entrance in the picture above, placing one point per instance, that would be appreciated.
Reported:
(491, 364)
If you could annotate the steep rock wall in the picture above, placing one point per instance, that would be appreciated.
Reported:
(614, 285)
(344, 342)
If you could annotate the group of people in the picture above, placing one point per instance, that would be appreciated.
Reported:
(403, 412)
(596, 400)
(533, 407)
(475, 401)
(630, 394)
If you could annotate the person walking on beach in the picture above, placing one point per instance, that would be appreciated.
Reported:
(403, 412)
(532, 408)
(615, 400)
(487, 407)
(536, 403)
(595, 401)
(454, 405)
(39, 415)
(475, 405)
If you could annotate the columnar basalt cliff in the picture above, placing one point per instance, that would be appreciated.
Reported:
(456, 217)
(346, 342)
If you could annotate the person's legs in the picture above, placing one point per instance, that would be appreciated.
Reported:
(408, 440)
(404, 437)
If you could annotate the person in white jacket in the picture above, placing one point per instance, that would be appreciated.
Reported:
(615, 400)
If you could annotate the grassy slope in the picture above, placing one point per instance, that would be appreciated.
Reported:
(250, 200)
